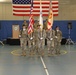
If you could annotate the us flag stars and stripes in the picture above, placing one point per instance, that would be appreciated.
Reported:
(21, 1)
(22, 7)
(31, 20)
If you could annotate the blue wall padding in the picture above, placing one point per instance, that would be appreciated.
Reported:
(6, 28)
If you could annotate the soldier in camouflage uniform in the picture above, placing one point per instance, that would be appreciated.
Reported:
(36, 24)
(50, 35)
(25, 23)
(23, 39)
(40, 37)
(58, 38)
(35, 30)
(31, 42)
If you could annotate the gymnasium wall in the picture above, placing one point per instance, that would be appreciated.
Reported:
(67, 12)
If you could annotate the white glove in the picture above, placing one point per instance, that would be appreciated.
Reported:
(51, 39)
(19, 36)
(41, 38)
(31, 38)
(60, 41)
(56, 37)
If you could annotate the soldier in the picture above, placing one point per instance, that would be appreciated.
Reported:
(31, 42)
(25, 23)
(35, 24)
(58, 38)
(40, 36)
(23, 39)
(50, 35)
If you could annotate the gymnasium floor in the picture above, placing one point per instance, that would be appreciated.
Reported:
(11, 63)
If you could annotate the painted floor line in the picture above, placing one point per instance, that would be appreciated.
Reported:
(45, 68)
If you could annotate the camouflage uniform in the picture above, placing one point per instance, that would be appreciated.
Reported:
(25, 23)
(23, 40)
(35, 35)
(50, 35)
(40, 40)
(45, 24)
(36, 24)
(31, 42)
(35, 39)
(58, 38)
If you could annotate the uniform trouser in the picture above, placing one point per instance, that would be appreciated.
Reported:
(57, 46)
(50, 45)
(23, 43)
(31, 45)
(41, 44)
(36, 45)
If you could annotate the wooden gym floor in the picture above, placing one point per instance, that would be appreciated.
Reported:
(11, 63)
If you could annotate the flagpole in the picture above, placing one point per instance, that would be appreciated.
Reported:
(40, 2)
(40, 16)
(41, 19)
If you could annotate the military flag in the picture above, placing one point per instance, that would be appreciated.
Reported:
(40, 17)
(50, 20)
(31, 19)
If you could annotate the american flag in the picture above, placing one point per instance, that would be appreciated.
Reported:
(22, 7)
(31, 23)
(31, 20)
(55, 6)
